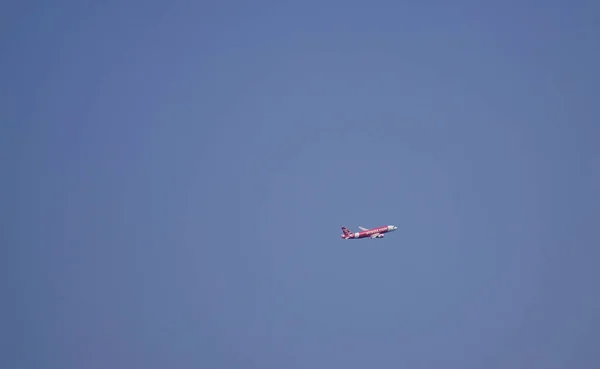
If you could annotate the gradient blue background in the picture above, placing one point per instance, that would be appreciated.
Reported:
(176, 177)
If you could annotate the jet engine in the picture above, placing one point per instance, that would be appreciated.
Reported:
(379, 235)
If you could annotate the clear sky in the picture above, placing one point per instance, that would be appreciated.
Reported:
(177, 176)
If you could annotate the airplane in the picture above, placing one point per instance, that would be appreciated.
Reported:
(373, 232)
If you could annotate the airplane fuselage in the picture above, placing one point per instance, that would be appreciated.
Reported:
(373, 232)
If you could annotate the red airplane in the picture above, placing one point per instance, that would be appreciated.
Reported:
(373, 233)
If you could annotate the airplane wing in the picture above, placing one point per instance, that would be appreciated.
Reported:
(374, 235)
(362, 229)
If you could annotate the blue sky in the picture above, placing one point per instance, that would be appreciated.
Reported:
(177, 176)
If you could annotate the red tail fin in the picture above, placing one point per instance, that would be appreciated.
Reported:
(347, 233)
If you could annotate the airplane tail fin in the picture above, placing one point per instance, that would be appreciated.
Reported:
(347, 233)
